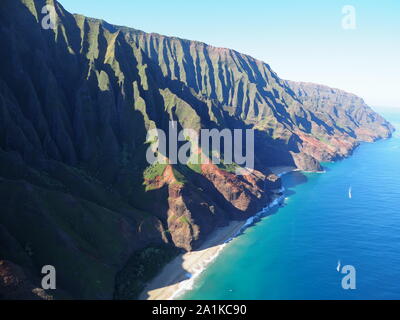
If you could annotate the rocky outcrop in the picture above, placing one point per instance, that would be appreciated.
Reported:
(207, 200)
(15, 285)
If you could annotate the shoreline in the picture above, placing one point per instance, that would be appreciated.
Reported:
(282, 170)
(179, 275)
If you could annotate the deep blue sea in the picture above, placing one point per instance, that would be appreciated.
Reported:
(294, 252)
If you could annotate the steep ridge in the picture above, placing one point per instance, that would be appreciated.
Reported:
(75, 105)
(344, 116)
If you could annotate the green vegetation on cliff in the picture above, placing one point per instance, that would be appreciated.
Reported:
(141, 267)
(76, 103)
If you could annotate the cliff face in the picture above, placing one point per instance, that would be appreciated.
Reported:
(15, 285)
(76, 103)
(308, 119)
(343, 116)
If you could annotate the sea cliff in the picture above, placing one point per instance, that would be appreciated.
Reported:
(76, 102)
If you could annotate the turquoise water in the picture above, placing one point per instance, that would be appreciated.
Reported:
(293, 253)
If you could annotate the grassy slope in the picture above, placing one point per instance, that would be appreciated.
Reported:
(75, 105)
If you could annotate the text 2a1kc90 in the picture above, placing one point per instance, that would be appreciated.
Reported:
(216, 309)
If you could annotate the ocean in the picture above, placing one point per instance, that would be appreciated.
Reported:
(347, 216)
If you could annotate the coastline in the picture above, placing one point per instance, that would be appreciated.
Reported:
(282, 170)
(179, 275)
(174, 278)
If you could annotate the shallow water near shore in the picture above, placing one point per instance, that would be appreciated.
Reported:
(294, 252)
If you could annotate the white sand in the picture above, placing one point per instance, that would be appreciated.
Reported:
(173, 279)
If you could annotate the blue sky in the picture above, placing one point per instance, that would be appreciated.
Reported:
(301, 40)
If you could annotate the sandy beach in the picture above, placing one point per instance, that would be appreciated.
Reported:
(178, 275)
(280, 170)
(174, 278)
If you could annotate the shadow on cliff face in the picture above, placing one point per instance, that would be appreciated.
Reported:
(184, 266)
(69, 165)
